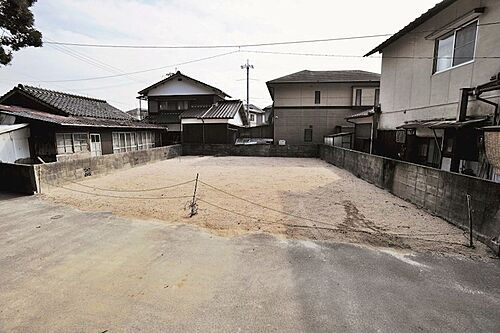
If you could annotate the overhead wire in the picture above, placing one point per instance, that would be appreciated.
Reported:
(140, 71)
(244, 45)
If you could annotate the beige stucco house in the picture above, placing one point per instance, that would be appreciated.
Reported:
(309, 105)
(438, 81)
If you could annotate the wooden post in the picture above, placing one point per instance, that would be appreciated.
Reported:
(469, 208)
(193, 205)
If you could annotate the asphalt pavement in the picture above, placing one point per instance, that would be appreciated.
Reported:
(64, 270)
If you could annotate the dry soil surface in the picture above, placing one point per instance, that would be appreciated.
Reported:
(292, 197)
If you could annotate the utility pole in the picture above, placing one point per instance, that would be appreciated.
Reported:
(247, 66)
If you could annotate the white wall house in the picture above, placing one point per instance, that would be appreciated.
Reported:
(425, 67)
(256, 116)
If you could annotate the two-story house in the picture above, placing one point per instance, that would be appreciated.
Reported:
(439, 86)
(193, 111)
(309, 105)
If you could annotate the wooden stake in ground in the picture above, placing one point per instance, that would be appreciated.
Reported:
(469, 208)
(193, 205)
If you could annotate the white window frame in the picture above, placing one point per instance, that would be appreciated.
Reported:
(436, 55)
(131, 141)
(72, 138)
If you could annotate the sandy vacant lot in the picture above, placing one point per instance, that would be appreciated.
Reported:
(294, 197)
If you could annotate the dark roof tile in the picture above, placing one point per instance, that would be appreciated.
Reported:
(74, 105)
(307, 76)
(74, 121)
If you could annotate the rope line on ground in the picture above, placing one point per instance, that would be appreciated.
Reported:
(319, 222)
(263, 221)
(265, 207)
(301, 226)
(135, 190)
(120, 197)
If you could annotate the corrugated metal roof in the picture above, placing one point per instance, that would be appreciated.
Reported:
(74, 121)
(412, 25)
(442, 123)
(363, 114)
(307, 76)
(69, 104)
(195, 112)
(223, 110)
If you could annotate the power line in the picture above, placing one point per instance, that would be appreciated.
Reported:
(360, 56)
(218, 46)
(91, 61)
(140, 71)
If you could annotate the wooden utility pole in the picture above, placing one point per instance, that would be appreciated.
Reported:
(247, 66)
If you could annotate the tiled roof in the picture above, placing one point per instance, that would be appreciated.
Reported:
(328, 76)
(412, 25)
(74, 105)
(223, 110)
(74, 121)
(195, 112)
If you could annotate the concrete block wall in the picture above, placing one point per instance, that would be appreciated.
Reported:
(57, 173)
(251, 150)
(439, 192)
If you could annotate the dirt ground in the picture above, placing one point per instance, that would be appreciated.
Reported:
(292, 197)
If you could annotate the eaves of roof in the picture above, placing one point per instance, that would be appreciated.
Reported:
(412, 25)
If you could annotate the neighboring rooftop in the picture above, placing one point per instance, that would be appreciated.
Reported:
(62, 120)
(412, 25)
(307, 76)
(253, 108)
(220, 110)
(68, 104)
(223, 109)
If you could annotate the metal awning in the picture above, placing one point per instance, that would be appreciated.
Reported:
(441, 124)
(363, 114)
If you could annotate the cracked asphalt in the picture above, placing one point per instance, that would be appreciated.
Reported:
(64, 270)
